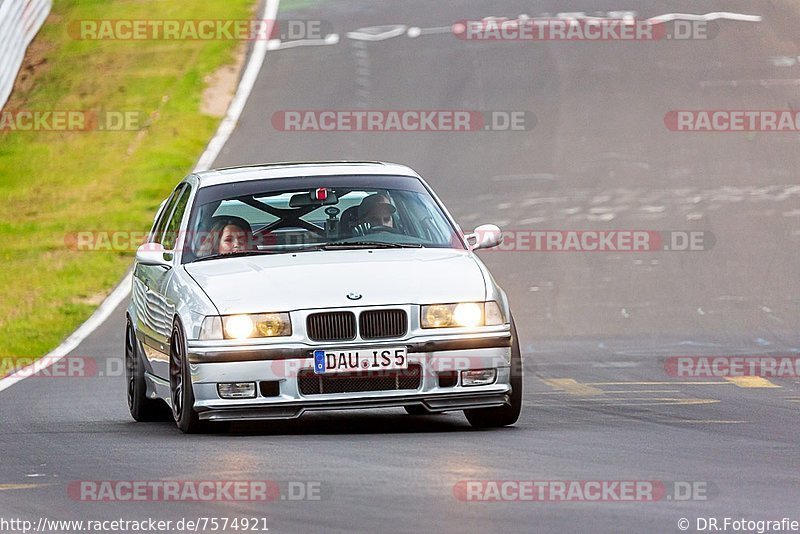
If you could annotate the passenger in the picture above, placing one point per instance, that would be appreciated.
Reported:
(227, 235)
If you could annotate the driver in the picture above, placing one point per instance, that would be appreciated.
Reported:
(376, 210)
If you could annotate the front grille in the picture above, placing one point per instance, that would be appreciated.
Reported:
(331, 326)
(401, 379)
(378, 324)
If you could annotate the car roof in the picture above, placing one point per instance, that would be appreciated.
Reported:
(300, 169)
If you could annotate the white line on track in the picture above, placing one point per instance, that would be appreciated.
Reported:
(719, 15)
(415, 31)
(214, 147)
(330, 39)
(246, 84)
(377, 33)
(99, 316)
(766, 83)
(389, 31)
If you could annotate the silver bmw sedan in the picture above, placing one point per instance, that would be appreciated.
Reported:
(267, 291)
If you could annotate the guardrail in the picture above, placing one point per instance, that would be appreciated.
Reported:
(20, 21)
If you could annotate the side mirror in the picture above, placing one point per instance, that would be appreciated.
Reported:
(153, 254)
(485, 236)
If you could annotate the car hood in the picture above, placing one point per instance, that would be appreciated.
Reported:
(323, 279)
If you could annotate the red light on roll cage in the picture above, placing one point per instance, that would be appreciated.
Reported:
(322, 193)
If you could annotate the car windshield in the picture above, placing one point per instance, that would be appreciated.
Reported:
(250, 218)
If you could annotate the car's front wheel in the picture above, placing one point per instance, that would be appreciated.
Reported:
(180, 383)
(141, 407)
(509, 413)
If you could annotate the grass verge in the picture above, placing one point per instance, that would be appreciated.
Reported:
(55, 184)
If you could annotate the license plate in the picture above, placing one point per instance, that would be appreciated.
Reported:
(352, 360)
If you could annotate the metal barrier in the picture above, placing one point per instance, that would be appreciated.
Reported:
(20, 20)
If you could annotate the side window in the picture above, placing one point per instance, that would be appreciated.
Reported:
(174, 222)
(163, 217)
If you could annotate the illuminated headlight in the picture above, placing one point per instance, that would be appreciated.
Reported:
(464, 314)
(246, 326)
(238, 326)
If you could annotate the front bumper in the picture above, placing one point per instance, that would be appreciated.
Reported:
(211, 365)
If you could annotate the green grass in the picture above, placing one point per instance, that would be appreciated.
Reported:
(53, 184)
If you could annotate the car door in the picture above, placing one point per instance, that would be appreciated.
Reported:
(143, 274)
(154, 321)
(165, 307)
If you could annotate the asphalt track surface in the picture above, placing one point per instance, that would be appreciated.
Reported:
(596, 328)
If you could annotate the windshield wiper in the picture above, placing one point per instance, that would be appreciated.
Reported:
(338, 245)
(306, 248)
(236, 254)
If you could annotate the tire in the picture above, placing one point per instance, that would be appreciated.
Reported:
(508, 414)
(142, 408)
(180, 385)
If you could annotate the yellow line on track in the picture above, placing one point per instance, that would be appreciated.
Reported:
(641, 391)
(706, 422)
(9, 487)
(751, 382)
(571, 386)
(663, 402)
(656, 400)
(671, 383)
(626, 402)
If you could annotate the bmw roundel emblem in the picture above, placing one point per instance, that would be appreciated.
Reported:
(353, 295)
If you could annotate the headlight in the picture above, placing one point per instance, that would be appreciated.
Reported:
(211, 328)
(246, 326)
(468, 314)
(464, 314)
(238, 326)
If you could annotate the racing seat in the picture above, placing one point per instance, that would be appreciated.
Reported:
(348, 221)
